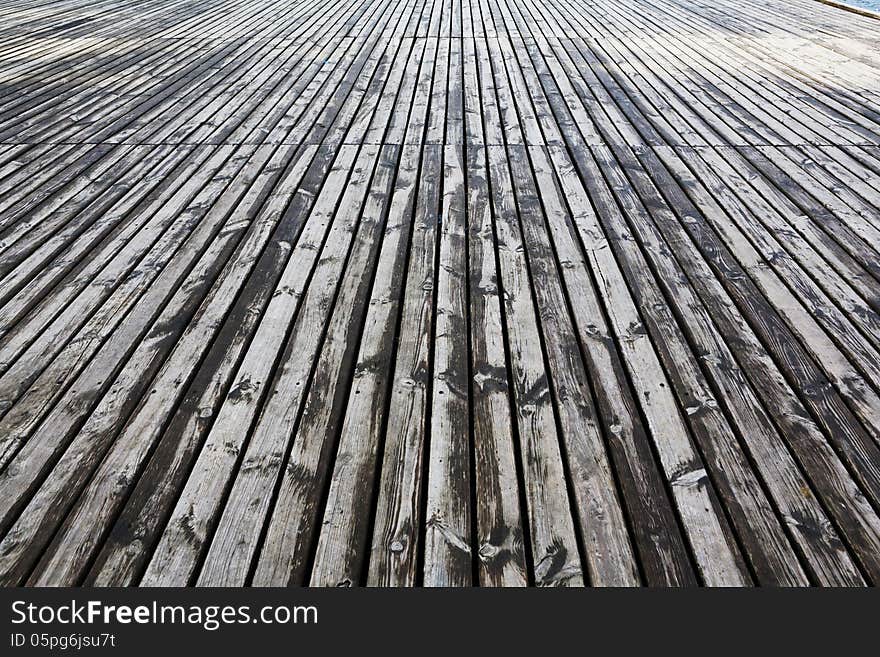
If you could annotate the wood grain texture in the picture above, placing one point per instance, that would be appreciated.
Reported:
(439, 292)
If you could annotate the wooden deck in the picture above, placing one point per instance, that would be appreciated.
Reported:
(441, 292)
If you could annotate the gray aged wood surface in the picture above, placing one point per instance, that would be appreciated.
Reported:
(440, 292)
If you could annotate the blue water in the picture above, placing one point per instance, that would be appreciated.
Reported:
(864, 4)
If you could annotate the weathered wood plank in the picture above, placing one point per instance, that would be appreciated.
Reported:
(439, 292)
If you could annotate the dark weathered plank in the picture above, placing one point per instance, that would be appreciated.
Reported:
(439, 292)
